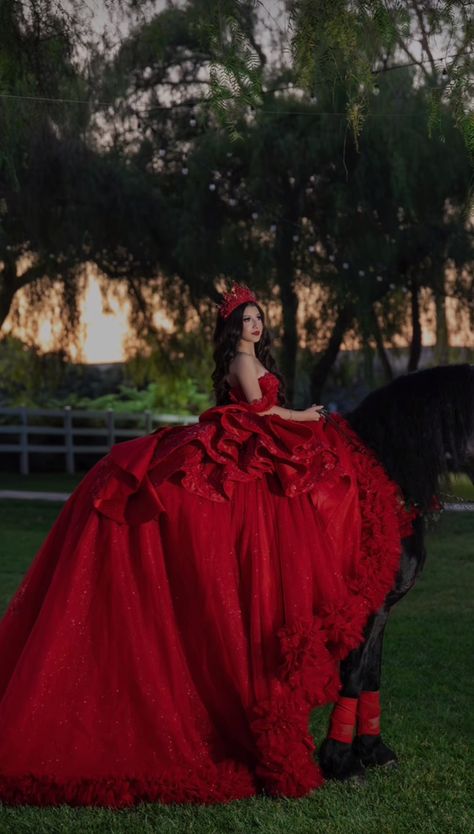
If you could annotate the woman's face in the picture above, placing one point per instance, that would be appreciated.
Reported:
(252, 324)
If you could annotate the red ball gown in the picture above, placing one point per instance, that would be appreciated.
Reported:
(188, 610)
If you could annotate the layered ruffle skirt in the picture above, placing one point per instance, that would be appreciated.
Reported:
(188, 610)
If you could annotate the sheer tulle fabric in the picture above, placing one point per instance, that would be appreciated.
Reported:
(189, 609)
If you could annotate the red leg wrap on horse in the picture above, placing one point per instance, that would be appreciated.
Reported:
(343, 720)
(368, 714)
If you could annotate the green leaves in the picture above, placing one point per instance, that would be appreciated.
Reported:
(236, 66)
(338, 44)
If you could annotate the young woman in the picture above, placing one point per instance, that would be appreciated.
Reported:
(194, 598)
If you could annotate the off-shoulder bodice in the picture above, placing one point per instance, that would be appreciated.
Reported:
(236, 443)
(269, 385)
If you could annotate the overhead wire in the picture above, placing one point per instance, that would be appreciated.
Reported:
(164, 108)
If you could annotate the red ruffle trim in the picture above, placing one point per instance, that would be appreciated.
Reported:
(385, 521)
(308, 675)
(230, 444)
(226, 783)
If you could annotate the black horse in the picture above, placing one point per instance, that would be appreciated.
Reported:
(421, 427)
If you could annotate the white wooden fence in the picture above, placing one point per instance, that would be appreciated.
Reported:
(28, 423)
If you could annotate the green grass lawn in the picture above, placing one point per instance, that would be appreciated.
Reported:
(427, 697)
(460, 487)
(39, 481)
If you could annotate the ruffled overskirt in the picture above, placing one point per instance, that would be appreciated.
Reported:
(189, 609)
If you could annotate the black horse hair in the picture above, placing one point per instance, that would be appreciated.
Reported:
(419, 427)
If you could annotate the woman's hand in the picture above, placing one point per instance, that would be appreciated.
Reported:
(314, 412)
(311, 413)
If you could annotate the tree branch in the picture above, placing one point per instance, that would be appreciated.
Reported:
(415, 61)
(323, 365)
(11, 282)
(424, 36)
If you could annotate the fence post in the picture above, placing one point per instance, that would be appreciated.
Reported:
(68, 440)
(24, 458)
(110, 427)
(148, 422)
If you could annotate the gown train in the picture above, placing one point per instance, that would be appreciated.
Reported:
(189, 609)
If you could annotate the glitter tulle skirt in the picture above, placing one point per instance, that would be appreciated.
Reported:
(189, 609)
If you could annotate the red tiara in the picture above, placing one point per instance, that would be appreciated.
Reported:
(238, 295)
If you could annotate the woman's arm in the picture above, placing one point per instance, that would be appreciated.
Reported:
(311, 413)
(245, 370)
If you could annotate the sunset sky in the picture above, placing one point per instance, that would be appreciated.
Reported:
(104, 329)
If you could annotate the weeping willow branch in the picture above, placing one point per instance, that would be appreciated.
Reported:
(344, 45)
(237, 61)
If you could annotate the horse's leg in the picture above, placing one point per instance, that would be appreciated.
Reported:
(337, 756)
(368, 744)
(361, 673)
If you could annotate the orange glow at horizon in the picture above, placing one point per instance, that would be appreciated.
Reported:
(104, 334)
(103, 329)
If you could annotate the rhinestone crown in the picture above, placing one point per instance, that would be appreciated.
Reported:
(237, 295)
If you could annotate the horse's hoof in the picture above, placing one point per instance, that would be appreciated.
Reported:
(338, 762)
(373, 752)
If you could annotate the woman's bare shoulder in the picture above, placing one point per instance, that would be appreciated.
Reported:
(242, 366)
(242, 360)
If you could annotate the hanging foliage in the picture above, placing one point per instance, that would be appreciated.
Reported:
(336, 43)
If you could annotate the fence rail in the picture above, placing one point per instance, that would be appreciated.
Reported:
(111, 432)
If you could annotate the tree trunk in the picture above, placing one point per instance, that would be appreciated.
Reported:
(441, 350)
(368, 357)
(10, 283)
(382, 353)
(7, 287)
(289, 303)
(322, 367)
(415, 346)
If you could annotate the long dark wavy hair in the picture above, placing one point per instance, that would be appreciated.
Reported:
(421, 427)
(227, 335)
